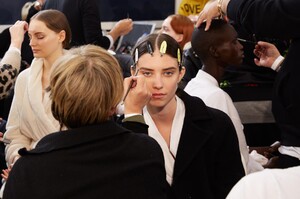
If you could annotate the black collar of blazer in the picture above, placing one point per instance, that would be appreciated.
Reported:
(194, 135)
(74, 137)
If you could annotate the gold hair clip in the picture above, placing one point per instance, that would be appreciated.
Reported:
(163, 48)
(178, 56)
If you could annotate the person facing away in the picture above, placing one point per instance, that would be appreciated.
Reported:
(219, 48)
(85, 23)
(94, 157)
(30, 117)
(200, 146)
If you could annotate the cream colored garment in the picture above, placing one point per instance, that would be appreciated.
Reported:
(268, 184)
(169, 154)
(30, 117)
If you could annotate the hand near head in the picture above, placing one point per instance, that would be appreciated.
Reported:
(122, 27)
(211, 11)
(266, 54)
(138, 96)
(17, 32)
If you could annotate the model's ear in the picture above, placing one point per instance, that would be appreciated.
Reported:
(62, 35)
(181, 73)
(213, 51)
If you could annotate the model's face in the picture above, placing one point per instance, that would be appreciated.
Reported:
(43, 41)
(167, 29)
(162, 76)
(231, 51)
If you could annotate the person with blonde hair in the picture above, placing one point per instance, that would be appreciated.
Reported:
(95, 157)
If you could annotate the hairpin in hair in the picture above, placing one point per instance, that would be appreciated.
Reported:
(178, 56)
(149, 48)
(136, 57)
(163, 48)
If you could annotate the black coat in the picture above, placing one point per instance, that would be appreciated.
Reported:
(100, 161)
(208, 161)
(84, 20)
(278, 19)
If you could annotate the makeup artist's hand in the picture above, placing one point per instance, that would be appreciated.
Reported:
(138, 95)
(266, 54)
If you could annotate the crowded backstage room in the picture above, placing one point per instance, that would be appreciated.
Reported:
(149, 99)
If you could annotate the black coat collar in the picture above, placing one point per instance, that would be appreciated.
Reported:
(193, 136)
(74, 137)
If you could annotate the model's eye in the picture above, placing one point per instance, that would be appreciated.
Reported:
(146, 73)
(168, 73)
(40, 36)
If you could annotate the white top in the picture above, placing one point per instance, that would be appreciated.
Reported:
(30, 117)
(268, 184)
(169, 153)
(207, 88)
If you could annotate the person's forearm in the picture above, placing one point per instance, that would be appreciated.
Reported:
(12, 57)
(224, 5)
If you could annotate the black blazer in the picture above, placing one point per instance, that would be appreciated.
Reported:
(84, 20)
(283, 22)
(208, 161)
(100, 161)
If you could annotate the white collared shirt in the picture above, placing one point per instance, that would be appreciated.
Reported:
(169, 153)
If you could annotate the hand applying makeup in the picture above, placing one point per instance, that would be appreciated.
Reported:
(137, 97)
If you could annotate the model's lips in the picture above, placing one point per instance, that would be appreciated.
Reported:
(35, 50)
(158, 95)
